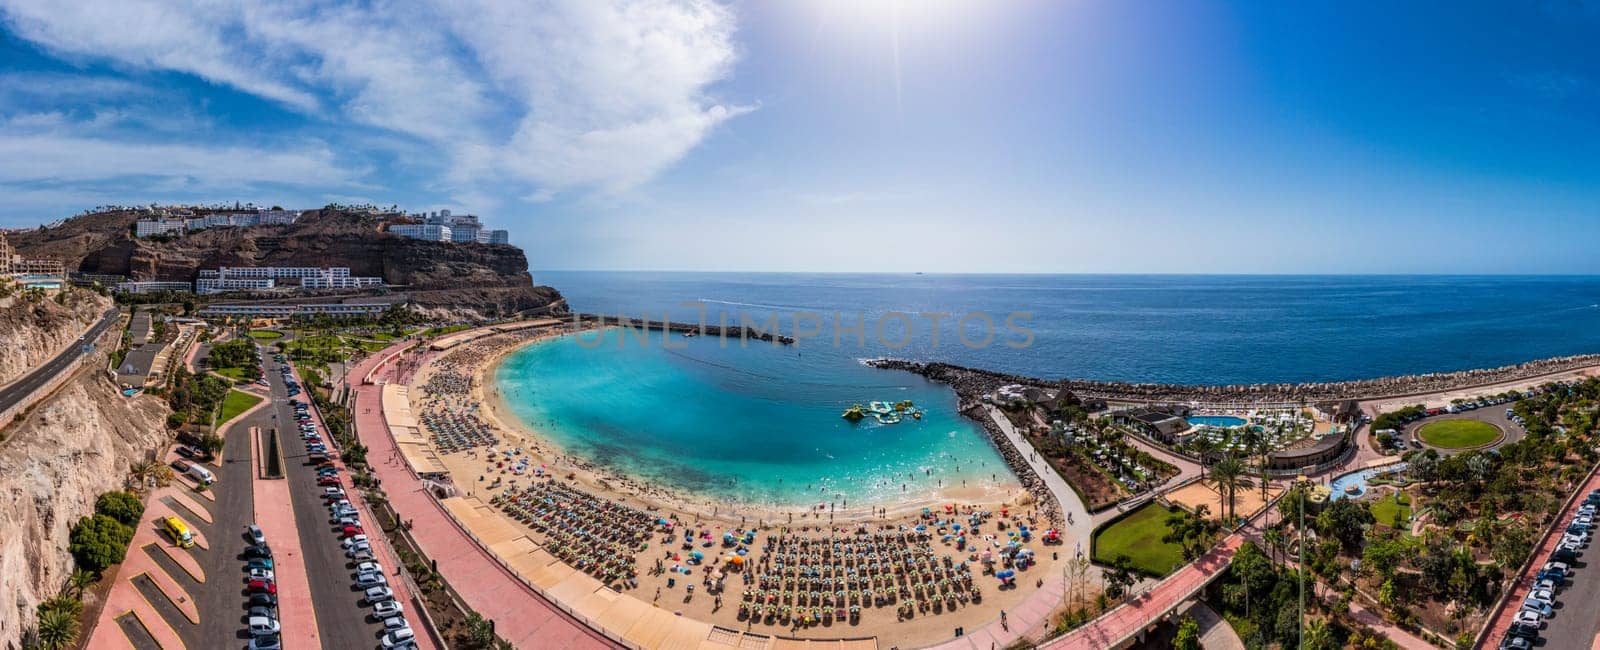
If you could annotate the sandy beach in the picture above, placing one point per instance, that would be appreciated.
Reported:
(482, 476)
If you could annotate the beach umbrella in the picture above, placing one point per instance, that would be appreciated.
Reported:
(1005, 574)
(696, 554)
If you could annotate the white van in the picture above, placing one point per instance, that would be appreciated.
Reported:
(201, 474)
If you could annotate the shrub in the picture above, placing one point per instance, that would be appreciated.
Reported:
(98, 542)
(121, 506)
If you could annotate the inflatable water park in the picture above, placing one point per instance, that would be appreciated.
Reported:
(883, 412)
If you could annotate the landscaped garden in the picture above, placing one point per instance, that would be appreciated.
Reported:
(235, 403)
(1139, 536)
(265, 334)
(1458, 434)
(1392, 510)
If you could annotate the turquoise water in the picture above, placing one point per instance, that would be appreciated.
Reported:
(759, 424)
(1223, 421)
(1359, 479)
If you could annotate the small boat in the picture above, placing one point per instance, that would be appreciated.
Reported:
(1352, 489)
(853, 414)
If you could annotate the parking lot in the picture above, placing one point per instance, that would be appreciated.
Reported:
(1568, 622)
(343, 614)
(1494, 414)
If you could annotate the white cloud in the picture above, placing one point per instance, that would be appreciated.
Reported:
(520, 98)
(63, 157)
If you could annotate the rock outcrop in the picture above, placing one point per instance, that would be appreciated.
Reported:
(32, 330)
(68, 449)
(490, 280)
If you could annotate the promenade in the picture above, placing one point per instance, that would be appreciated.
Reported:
(521, 615)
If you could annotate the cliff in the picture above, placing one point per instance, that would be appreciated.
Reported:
(76, 444)
(443, 274)
(33, 331)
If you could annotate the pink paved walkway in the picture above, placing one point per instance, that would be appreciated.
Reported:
(521, 615)
(274, 513)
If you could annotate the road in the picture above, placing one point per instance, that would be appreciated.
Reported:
(341, 614)
(21, 388)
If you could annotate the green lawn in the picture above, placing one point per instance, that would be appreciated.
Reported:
(238, 374)
(1384, 509)
(235, 403)
(1458, 434)
(1138, 536)
(436, 331)
(265, 334)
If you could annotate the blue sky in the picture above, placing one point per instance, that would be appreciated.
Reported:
(945, 135)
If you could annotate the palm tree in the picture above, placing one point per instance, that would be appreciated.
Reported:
(80, 581)
(1318, 636)
(1202, 446)
(1274, 539)
(1228, 475)
(58, 629)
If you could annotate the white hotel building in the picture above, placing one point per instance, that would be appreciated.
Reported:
(205, 286)
(250, 278)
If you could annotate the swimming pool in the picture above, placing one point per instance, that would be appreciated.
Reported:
(1224, 421)
(1359, 480)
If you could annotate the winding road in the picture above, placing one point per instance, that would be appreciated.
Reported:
(20, 389)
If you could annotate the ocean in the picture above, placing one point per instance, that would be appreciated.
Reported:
(1187, 329)
(760, 423)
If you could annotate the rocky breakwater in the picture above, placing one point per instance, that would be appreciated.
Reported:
(71, 447)
(970, 384)
(33, 329)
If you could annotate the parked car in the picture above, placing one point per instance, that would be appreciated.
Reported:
(1542, 609)
(386, 608)
(262, 600)
(352, 531)
(398, 637)
(266, 642)
(263, 611)
(1523, 631)
(352, 542)
(260, 574)
(371, 580)
(375, 595)
(369, 567)
(258, 563)
(1526, 617)
(262, 626)
(395, 623)
(328, 481)
(262, 587)
(256, 536)
(260, 550)
(1515, 643)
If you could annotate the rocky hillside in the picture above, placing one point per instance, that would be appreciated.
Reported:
(103, 243)
(76, 444)
(32, 331)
